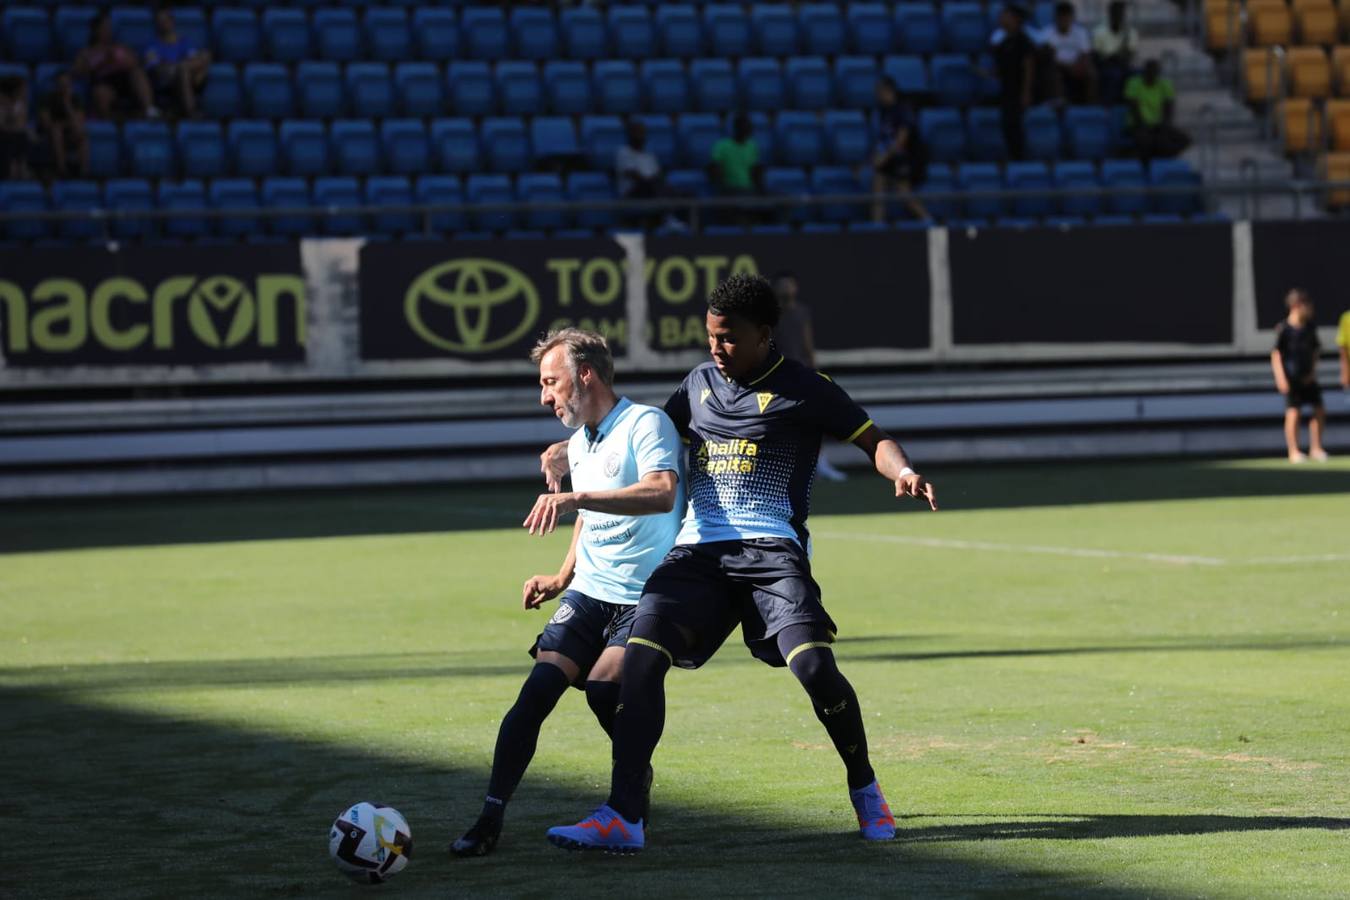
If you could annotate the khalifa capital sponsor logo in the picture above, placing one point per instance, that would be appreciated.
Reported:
(471, 306)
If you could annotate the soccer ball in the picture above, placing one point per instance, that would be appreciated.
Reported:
(370, 842)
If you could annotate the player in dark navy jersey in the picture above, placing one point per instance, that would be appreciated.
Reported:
(753, 421)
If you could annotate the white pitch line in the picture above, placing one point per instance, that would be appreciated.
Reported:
(1296, 560)
(1081, 552)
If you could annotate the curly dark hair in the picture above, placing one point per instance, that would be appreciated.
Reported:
(749, 296)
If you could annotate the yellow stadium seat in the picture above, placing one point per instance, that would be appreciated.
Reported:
(1340, 63)
(1338, 123)
(1343, 6)
(1302, 125)
(1270, 24)
(1223, 26)
(1309, 72)
(1318, 24)
(1262, 74)
(1336, 167)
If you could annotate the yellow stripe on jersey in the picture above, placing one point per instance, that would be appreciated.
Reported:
(772, 369)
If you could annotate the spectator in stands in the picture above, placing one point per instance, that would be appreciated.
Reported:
(795, 338)
(735, 169)
(1152, 99)
(1343, 342)
(1073, 56)
(115, 77)
(61, 117)
(15, 139)
(1114, 43)
(899, 163)
(638, 173)
(1294, 362)
(1015, 65)
(177, 66)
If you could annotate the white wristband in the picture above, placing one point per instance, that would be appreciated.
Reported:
(905, 471)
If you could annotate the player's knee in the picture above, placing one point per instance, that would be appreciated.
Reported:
(815, 668)
(651, 648)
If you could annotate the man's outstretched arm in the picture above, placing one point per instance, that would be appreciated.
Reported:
(892, 464)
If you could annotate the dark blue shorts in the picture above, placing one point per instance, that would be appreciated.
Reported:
(763, 584)
(583, 627)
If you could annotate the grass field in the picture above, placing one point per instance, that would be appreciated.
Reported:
(1127, 680)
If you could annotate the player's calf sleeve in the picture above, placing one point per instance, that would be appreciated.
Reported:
(642, 710)
(603, 698)
(519, 734)
(833, 699)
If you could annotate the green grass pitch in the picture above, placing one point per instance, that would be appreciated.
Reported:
(1116, 679)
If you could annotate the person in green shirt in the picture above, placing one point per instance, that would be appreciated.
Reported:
(1152, 99)
(735, 169)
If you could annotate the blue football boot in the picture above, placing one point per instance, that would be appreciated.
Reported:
(875, 821)
(603, 829)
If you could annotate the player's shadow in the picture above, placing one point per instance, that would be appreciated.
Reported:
(1069, 827)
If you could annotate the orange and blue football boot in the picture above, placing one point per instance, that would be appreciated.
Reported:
(875, 821)
(603, 829)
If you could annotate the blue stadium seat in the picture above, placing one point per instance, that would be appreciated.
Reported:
(965, 29)
(838, 180)
(632, 33)
(724, 230)
(419, 88)
(909, 72)
(855, 81)
(727, 29)
(940, 180)
(781, 228)
(567, 87)
(1029, 176)
(285, 34)
(591, 187)
(1123, 173)
(390, 190)
(554, 138)
(405, 146)
(535, 33)
(809, 82)
(105, 148)
(304, 147)
(944, 133)
(318, 88)
(354, 147)
(798, 138)
(766, 138)
(664, 84)
(869, 28)
(337, 34)
(129, 195)
(387, 34)
(223, 96)
(505, 144)
(191, 25)
(1064, 223)
(525, 234)
(661, 138)
(235, 31)
(979, 176)
(775, 29)
(1041, 128)
(917, 28)
(540, 187)
(821, 228)
(16, 70)
(490, 189)
(70, 25)
(1020, 222)
(440, 190)
(148, 147)
(571, 234)
(23, 197)
(183, 196)
(1087, 132)
(287, 193)
(689, 182)
(695, 134)
(436, 31)
(786, 181)
(455, 145)
(201, 147)
(469, 88)
(984, 134)
(1162, 219)
(267, 87)
(484, 32)
(1077, 174)
(27, 34)
(680, 30)
(583, 33)
(344, 193)
(234, 194)
(133, 26)
(253, 147)
(518, 89)
(1043, 13)
(868, 227)
(601, 136)
(76, 196)
(955, 82)
(847, 137)
(614, 87)
(761, 84)
(1174, 173)
(714, 85)
(822, 29)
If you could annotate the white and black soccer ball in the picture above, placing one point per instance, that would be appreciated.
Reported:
(370, 842)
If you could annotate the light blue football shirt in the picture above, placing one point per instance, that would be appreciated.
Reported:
(616, 553)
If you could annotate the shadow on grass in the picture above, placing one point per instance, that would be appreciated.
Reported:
(1068, 827)
(133, 521)
(1146, 645)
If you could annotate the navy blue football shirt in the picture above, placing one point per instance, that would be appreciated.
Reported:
(753, 446)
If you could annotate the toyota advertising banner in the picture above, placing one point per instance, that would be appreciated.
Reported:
(151, 306)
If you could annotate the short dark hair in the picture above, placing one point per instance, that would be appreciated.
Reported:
(749, 296)
(1064, 8)
(1297, 297)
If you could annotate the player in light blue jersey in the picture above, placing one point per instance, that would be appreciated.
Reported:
(627, 491)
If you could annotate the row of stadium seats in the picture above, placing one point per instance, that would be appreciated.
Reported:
(1335, 167)
(288, 34)
(285, 192)
(152, 148)
(1304, 72)
(1309, 126)
(1270, 23)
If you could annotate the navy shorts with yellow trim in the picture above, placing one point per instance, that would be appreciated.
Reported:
(763, 584)
(583, 627)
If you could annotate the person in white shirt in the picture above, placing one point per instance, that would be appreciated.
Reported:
(1073, 56)
(1114, 44)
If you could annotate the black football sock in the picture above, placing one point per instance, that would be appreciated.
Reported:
(603, 697)
(637, 730)
(519, 734)
(812, 661)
